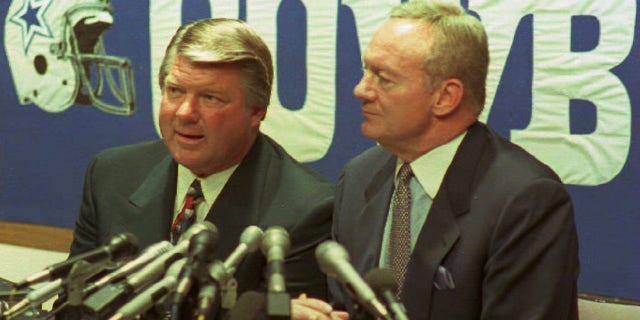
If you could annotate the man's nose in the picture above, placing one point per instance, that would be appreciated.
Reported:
(188, 107)
(363, 90)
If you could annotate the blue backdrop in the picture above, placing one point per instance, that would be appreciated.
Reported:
(563, 83)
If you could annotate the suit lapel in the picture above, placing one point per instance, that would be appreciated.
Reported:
(440, 231)
(377, 196)
(155, 197)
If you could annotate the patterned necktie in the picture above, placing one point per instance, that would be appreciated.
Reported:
(400, 238)
(187, 215)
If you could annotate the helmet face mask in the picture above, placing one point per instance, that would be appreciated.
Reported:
(58, 59)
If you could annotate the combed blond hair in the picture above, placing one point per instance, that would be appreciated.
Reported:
(225, 41)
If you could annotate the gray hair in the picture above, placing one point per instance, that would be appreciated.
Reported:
(224, 41)
(458, 47)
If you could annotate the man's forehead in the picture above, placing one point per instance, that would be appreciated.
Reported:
(400, 37)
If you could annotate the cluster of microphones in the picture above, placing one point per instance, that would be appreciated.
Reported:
(183, 281)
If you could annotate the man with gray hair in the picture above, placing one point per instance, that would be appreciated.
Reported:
(470, 225)
(212, 163)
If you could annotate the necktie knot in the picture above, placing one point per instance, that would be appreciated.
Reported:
(195, 192)
(405, 173)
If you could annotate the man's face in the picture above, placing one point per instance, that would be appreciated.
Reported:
(204, 120)
(396, 107)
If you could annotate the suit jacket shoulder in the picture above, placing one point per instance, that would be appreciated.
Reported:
(126, 189)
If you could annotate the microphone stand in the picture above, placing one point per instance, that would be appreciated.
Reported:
(278, 305)
(74, 285)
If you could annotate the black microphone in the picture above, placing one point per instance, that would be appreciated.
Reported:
(275, 246)
(250, 306)
(201, 249)
(151, 295)
(130, 267)
(105, 301)
(333, 260)
(385, 286)
(119, 247)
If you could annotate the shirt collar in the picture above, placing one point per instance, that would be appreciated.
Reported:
(211, 185)
(429, 169)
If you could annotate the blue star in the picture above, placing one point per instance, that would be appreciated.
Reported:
(31, 20)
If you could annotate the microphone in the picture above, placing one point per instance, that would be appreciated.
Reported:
(333, 260)
(118, 248)
(201, 249)
(144, 258)
(34, 299)
(105, 301)
(385, 286)
(152, 295)
(250, 306)
(275, 246)
(220, 272)
(249, 242)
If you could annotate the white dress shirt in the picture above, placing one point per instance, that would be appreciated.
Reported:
(211, 188)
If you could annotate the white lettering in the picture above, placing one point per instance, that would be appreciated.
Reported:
(560, 75)
(305, 133)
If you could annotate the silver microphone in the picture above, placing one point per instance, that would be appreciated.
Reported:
(334, 261)
(152, 295)
(144, 258)
(108, 299)
(250, 240)
(275, 246)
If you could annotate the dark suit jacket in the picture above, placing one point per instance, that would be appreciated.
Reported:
(132, 189)
(501, 223)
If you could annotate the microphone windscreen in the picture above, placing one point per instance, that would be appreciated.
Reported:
(250, 306)
(277, 238)
(330, 255)
(203, 245)
(122, 246)
(251, 237)
(381, 279)
(197, 228)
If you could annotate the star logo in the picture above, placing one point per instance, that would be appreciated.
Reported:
(31, 20)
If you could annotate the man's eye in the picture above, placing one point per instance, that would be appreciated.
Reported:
(211, 100)
(173, 91)
(383, 81)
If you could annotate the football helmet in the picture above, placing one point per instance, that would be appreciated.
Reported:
(57, 56)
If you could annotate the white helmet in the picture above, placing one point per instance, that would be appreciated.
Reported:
(57, 58)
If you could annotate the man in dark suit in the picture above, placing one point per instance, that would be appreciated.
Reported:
(216, 80)
(488, 230)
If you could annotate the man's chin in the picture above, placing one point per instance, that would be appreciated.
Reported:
(369, 132)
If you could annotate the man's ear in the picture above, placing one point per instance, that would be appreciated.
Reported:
(448, 97)
(257, 115)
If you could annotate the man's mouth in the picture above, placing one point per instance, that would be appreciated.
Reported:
(188, 137)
